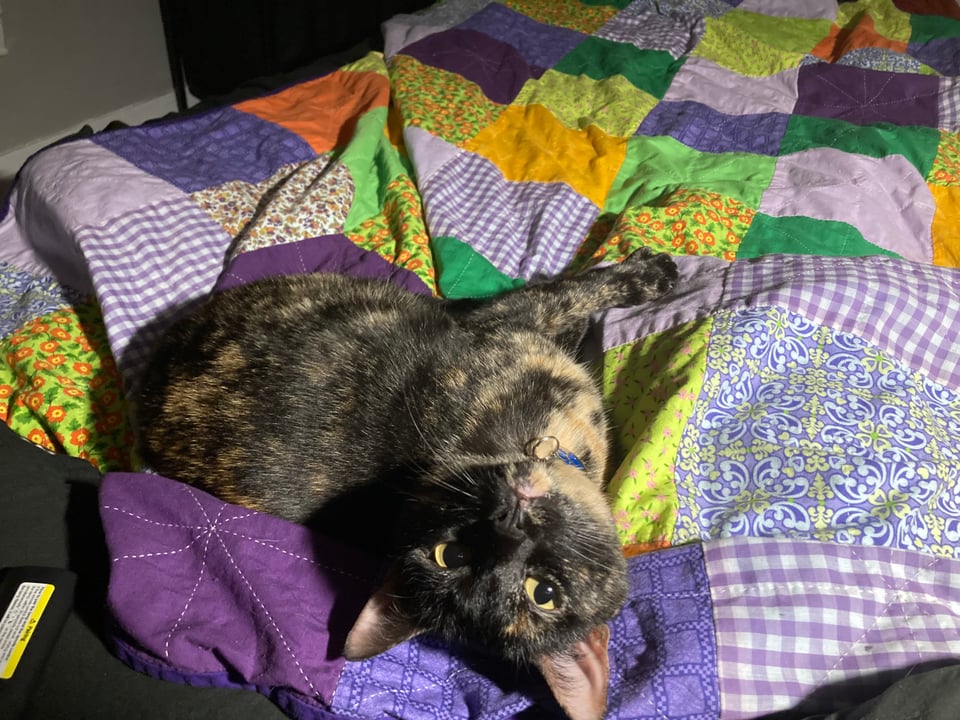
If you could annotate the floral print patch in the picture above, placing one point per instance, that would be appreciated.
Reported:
(650, 387)
(446, 105)
(299, 201)
(60, 388)
(571, 14)
(946, 165)
(24, 296)
(398, 233)
(688, 222)
(809, 432)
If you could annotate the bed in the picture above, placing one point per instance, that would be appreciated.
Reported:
(786, 422)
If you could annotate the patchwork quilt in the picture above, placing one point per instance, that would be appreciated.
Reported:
(786, 479)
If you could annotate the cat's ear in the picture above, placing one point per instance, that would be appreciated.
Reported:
(379, 627)
(580, 676)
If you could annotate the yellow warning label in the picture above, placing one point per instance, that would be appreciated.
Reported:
(19, 622)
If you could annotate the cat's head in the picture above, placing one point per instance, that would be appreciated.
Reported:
(520, 558)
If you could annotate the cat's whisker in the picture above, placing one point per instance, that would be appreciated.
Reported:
(467, 477)
(450, 486)
(434, 445)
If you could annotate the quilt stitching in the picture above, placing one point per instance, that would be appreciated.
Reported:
(819, 86)
(193, 592)
(812, 584)
(151, 521)
(296, 556)
(268, 616)
(897, 593)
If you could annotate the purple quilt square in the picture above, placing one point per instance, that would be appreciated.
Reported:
(424, 679)
(942, 54)
(495, 66)
(541, 45)
(685, 647)
(685, 610)
(685, 698)
(662, 649)
(212, 148)
(232, 589)
(330, 253)
(675, 577)
(863, 96)
(703, 128)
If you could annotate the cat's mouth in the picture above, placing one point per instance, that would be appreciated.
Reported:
(509, 521)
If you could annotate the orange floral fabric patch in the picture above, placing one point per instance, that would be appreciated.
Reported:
(687, 222)
(399, 233)
(60, 388)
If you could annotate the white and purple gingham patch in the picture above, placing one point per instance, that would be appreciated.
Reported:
(822, 623)
(948, 104)
(147, 264)
(898, 306)
(525, 229)
(676, 34)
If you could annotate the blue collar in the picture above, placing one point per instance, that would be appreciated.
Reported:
(569, 458)
(548, 446)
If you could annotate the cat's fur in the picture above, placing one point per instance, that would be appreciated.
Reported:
(403, 422)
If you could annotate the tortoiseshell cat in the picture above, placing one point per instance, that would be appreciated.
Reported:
(458, 437)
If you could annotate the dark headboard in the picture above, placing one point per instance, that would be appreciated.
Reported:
(217, 45)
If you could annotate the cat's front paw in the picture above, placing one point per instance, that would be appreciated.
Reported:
(650, 275)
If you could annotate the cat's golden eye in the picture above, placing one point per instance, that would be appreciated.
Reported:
(450, 555)
(541, 593)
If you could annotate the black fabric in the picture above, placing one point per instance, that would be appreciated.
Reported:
(49, 517)
(927, 695)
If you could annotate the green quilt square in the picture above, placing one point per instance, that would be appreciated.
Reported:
(916, 143)
(649, 70)
(799, 235)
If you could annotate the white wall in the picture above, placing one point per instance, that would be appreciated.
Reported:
(74, 62)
